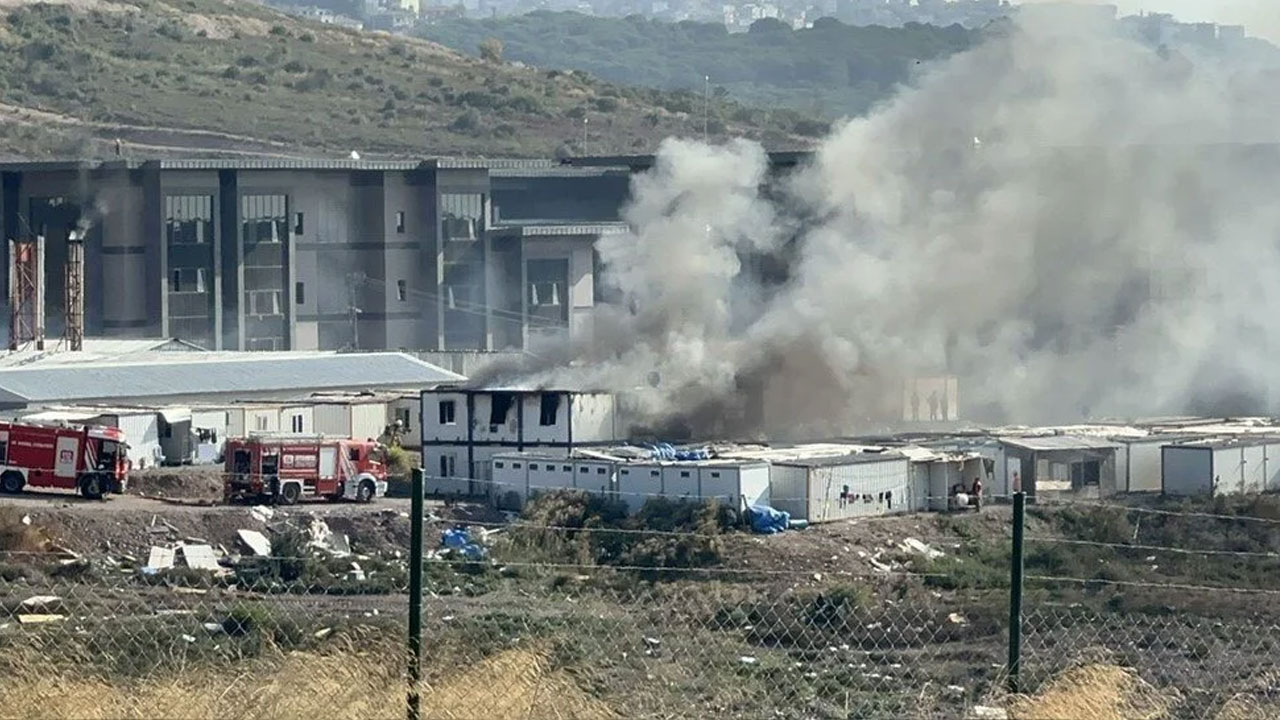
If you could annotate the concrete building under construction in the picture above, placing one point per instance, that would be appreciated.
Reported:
(432, 254)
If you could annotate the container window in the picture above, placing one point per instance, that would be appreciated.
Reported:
(498, 465)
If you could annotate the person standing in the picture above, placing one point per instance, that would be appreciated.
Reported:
(977, 494)
(933, 405)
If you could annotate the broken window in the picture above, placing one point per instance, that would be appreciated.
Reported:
(299, 293)
(446, 412)
(188, 218)
(264, 219)
(187, 280)
(499, 407)
(400, 221)
(550, 407)
(402, 290)
(460, 215)
(297, 223)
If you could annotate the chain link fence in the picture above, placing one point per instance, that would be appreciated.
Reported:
(570, 612)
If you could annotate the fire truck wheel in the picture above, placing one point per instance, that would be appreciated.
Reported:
(91, 487)
(365, 492)
(289, 494)
(12, 482)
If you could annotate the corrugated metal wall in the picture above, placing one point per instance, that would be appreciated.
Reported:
(875, 488)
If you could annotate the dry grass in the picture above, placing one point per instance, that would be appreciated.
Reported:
(1095, 692)
(349, 684)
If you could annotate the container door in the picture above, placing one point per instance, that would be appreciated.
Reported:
(67, 448)
(328, 462)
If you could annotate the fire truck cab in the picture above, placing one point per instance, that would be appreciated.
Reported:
(89, 459)
(286, 468)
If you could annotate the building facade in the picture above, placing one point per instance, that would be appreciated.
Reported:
(300, 255)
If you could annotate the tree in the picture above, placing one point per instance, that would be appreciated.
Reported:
(491, 50)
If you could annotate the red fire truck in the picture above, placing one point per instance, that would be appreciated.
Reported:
(285, 468)
(91, 460)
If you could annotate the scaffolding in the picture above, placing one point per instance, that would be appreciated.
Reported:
(26, 292)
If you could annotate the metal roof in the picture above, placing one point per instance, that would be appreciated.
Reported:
(1049, 443)
(833, 461)
(245, 373)
(557, 228)
(285, 162)
(777, 158)
(1228, 443)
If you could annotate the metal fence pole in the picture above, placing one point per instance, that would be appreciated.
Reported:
(415, 593)
(1015, 591)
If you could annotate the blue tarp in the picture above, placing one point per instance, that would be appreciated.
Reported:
(767, 521)
(459, 540)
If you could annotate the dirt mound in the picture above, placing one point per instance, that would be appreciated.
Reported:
(187, 483)
(1096, 692)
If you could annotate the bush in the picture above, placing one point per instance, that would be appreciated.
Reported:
(398, 462)
(467, 122)
(307, 37)
(491, 50)
(606, 104)
(279, 31)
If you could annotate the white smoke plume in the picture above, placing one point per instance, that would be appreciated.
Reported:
(1069, 221)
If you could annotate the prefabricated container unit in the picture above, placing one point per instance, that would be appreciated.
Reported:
(408, 410)
(356, 420)
(299, 419)
(826, 489)
(1226, 467)
(517, 477)
(141, 432)
(735, 484)
(209, 430)
(1139, 465)
(637, 482)
(243, 420)
(444, 473)
(942, 478)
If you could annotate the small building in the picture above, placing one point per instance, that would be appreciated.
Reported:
(1069, 464)
(177, 378)
(937, 474)
(521, 475)
(823, 489)
(1139, 463)
(141, 428)
(361, 418)
(738, 484)
(244, 419)
(463, 429)
(1234, 466)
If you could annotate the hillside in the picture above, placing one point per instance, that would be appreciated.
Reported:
(831, 69)
(229, 77)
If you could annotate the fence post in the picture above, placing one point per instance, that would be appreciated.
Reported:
(415, 593)
(1015, 591)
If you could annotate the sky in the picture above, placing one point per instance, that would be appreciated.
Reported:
(1261, 17)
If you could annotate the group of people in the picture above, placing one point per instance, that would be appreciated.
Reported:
(937, 402)
(974, 492)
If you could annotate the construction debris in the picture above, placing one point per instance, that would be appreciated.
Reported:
(41, 603)
(914, 545)
(256, 542)
(161, 558)
(261, 513)
(199, 557)
(36, 619)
